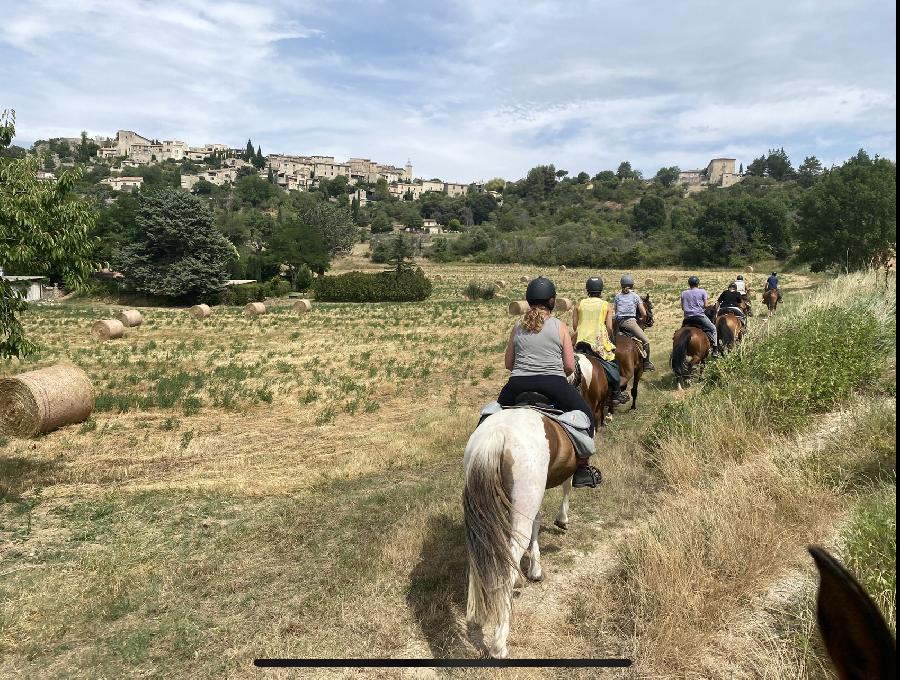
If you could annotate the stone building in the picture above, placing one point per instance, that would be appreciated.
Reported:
(123, 183)
(720, 172)
(217, 177)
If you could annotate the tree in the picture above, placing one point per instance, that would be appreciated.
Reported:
(778, 165)
(848, 219)
(334, 226)
(496, 184)
(298, 245)
(539, 182)
(758, 167)
(809, 171)
(381, 223)
(259, 161)
(254, 190)
(382, 193)
(649, 213)
(624, 171)
(481, 205)
(248, 152)
(43, 230)
(400, 254)
(178, 252)
(667, 176)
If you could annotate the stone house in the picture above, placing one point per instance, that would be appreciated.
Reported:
(720, 172)
(123, 183)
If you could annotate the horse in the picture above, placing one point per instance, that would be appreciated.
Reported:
(690, 347)
(509, 461)
(629, 354)
(770, 298)
(594, 385)
(856, 637)
(729, 327)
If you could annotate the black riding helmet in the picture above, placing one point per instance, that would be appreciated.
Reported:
(694, 281)
(594, 285)
(541, 291)
(627, 281)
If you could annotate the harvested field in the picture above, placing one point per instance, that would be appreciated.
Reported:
(271, 486)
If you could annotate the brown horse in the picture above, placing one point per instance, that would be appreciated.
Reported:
(629, 355)
(730, 331)
(690, 347)
(594, 386)
(770, 298)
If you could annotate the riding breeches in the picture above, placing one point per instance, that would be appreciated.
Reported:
(560, 393)
(632, 326)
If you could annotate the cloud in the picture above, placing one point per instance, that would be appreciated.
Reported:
(469, 91)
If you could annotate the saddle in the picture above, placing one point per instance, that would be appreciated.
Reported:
(574, 423)
(537, 401)
(694, 322)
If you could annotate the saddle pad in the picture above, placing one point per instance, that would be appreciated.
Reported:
(574, 424)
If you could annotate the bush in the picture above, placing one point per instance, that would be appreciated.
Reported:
(277, 287)
(479, 291)
(408, 286)
(244, 293)
(303, 278)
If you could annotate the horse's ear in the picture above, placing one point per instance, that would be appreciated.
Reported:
(857, 639)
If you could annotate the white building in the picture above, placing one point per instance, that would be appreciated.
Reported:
(29, 287)
(123, 183)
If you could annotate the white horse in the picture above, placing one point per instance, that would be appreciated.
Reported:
(509, 461)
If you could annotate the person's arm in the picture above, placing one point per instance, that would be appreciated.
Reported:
(568, 354)
(642, 312)
(609, 323)
(509, 359)
(575, 319)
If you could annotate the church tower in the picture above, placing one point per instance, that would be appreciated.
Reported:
(407, 170)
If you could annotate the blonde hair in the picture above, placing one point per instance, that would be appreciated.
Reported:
(533, 321)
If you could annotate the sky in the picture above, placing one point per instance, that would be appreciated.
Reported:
(467, 90)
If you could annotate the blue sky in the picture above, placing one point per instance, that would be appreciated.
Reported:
(468, 90)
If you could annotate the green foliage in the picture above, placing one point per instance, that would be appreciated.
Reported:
(43, 230)
(408, 286)
(849, 217)
(667, 176)
(476, 290)
(177, 253)
(399, 255)
(254, 191)
(650, 213)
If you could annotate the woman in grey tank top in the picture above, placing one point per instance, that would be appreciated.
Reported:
(539, 356)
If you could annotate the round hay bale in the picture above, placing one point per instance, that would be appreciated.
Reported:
(500, 283)
(749, 269)
(39, 401)
(649, 283)
(130, 318)
(563, 304)
(302, 306)
(674, 278)
(562, 267)
(518, 307)
(438, 277)
(107, 329)
(523, 279)
(200, 311)
(254, 308)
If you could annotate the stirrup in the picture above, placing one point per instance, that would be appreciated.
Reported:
(589, 477)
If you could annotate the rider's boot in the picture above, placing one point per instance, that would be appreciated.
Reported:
(620, 396)
(648, 365)
(586, 475)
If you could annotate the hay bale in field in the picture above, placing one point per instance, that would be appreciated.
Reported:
(563, 304)
(437, 277)
(254, 308)
(130, 318)
(518, 307)
(523, 279)
(649, 283)
(107, 329)
(39, 401)
(200, 311)
(749, 269)
(500, 283)
(674, 278)
(562, 267)
(302, 306)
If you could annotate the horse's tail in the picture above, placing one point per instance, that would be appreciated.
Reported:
(486, 511)
(679, 354)
(726, 335)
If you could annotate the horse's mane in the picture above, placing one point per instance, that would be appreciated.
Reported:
(726, 335)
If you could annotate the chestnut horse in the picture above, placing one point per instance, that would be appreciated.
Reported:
(510, 460)
(690, 347)
(629, 355)
(730, 331)
(770, 298)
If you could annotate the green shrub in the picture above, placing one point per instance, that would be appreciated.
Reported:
(277, 287)
(407, 286)
(475, 290)
(303, 278)
(242, 294)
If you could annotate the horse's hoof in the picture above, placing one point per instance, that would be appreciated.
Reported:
(564, 526)
(536, 578)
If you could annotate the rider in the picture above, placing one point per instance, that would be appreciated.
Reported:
(741, 284)
(593, 327)
(693, 303)
(772, 284)
(628, 306)
(731, 300)
(539, 355)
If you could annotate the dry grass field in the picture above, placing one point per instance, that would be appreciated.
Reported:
(289, 485)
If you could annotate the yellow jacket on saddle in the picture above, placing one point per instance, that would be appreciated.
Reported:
(592, 313)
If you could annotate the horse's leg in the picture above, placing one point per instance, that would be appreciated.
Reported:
(562, 517)
(635, 381)
(534, 563)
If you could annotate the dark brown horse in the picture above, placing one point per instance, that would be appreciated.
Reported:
(594, 386)
(729, 327)
(770, 298)
(690, 347)
(629, 354)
